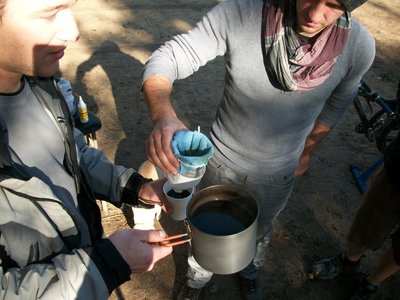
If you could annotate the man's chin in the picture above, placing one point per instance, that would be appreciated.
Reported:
(46, 72)
(307, 32)
(46, 68)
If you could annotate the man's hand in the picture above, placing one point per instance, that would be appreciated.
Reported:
(152, 193)
(159, 150)
(157, 90)
(302, 166)
(313, 140)
(134, 246)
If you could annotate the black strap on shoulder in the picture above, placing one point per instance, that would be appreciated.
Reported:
(5, 156)
(7, 167)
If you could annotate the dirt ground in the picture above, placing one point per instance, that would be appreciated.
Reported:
(105, 65)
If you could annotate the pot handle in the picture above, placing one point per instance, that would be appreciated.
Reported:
(187, 227)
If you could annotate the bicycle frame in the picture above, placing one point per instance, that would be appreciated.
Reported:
(377, 125)
(380, 126)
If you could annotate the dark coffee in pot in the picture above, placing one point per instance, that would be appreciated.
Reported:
(221, 218)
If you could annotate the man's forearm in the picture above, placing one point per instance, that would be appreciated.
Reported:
(157, 90)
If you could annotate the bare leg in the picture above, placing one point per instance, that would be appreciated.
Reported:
(386, 267)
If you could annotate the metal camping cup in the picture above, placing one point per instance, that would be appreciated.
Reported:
(223, 224)
(178, 200)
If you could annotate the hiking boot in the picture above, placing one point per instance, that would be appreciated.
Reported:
(144, 218)
(365, 290)
(249, 289)
(331, 267)
(189, 293)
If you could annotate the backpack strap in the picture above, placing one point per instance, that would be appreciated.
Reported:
(7, 166)
(5, 156)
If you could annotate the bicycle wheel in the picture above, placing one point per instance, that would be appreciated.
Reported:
(387, 134)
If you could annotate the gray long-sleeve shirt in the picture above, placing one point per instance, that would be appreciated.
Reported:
(258, 127)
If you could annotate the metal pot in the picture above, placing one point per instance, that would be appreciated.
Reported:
(223, 224)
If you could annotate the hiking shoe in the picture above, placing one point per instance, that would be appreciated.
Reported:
(189, 293)
(144, 218)
(249, 289)
(331, 267)
(365, 290)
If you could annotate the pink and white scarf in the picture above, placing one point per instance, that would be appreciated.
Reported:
(295, 66)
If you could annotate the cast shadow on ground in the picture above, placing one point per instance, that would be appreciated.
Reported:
(123, 72)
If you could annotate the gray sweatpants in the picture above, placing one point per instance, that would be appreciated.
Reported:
(271, 193)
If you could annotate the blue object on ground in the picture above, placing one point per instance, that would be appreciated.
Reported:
(362, 178)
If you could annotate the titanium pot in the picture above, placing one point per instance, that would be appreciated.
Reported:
(223, 224)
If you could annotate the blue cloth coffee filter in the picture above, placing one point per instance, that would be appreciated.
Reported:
(192, 148)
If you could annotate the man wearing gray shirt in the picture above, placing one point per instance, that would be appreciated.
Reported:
(292, 69)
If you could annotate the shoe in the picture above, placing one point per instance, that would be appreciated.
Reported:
(249, 289)
(365, 290)
(189, 293)
(144, 218)
(331, 267)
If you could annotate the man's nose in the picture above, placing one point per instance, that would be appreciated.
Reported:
(68, 30)
(315, 11)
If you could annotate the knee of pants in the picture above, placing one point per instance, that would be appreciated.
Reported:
(396, 246)
(197, 275)
(261, 248)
